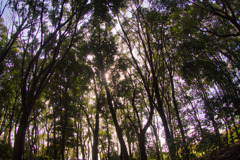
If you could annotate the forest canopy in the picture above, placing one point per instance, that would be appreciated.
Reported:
(118, 79)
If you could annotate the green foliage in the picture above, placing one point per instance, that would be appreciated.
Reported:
(3, 34)
(208, 143)
(42, 157)
(5, 150)
(56, 65)
(210, 70)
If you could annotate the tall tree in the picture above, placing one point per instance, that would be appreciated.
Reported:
(40, 57)
(148, 58)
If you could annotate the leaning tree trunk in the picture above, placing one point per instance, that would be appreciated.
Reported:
(169, 139)
(157, 142)
(114, 117)
(149, 55)
(186, 156)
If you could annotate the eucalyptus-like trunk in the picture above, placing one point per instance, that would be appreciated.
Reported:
(95, 139)
(157, 140)
(186, 154)
(124, 153)
(18, 150)
(169, 139)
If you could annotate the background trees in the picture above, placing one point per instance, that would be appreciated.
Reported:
(109, 79)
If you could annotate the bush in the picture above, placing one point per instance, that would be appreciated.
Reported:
(5, 150)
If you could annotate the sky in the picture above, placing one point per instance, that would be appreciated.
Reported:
(6, 14)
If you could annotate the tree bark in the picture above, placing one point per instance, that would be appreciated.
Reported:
(142, 143)
(157, 140)
(216, 130)
(186, 156)
(96, 129)
(82, 143)
(159, 107)
(54, 136)
(169, 139)
(20, 138)
(114, 117)
(95, 139)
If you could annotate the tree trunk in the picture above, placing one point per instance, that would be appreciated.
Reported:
(95, 139)
(109, 141)
(11, 120)
(186, 156)
(226, 130)
(129, 145)
(169, 116)
(77, 146)
(195, 114)
(82, 143)
(159, 106)
(157, 144)
(64, 126)
(47, 152)
(114, 117)
(215, 126)
(54, 138)
(169, 139)
(30, 143)
(142, 142)
(96, 129)
(20, 138)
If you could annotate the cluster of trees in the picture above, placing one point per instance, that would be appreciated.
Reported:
(107, 78)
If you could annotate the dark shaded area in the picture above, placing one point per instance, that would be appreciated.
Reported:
(229, 153)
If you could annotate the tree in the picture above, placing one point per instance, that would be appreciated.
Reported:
(83, 78)
(226, 13)
(104, 53)
(39, 59)
(149, 60)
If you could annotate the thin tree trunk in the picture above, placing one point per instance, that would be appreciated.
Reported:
(47, 152)
(142, 133)
(96, 129)
(226, 130)
(54, 137)
(95, 139)
(159, 107)
(11, 119)
(77, 146)
(64, 133)
(129, 145)
(114, 117)
(82, 143)
(156, 139)
(186, 156)
(169, 117)
(215, 126)
(109, 141)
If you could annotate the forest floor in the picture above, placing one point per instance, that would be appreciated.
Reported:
(229, 153)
